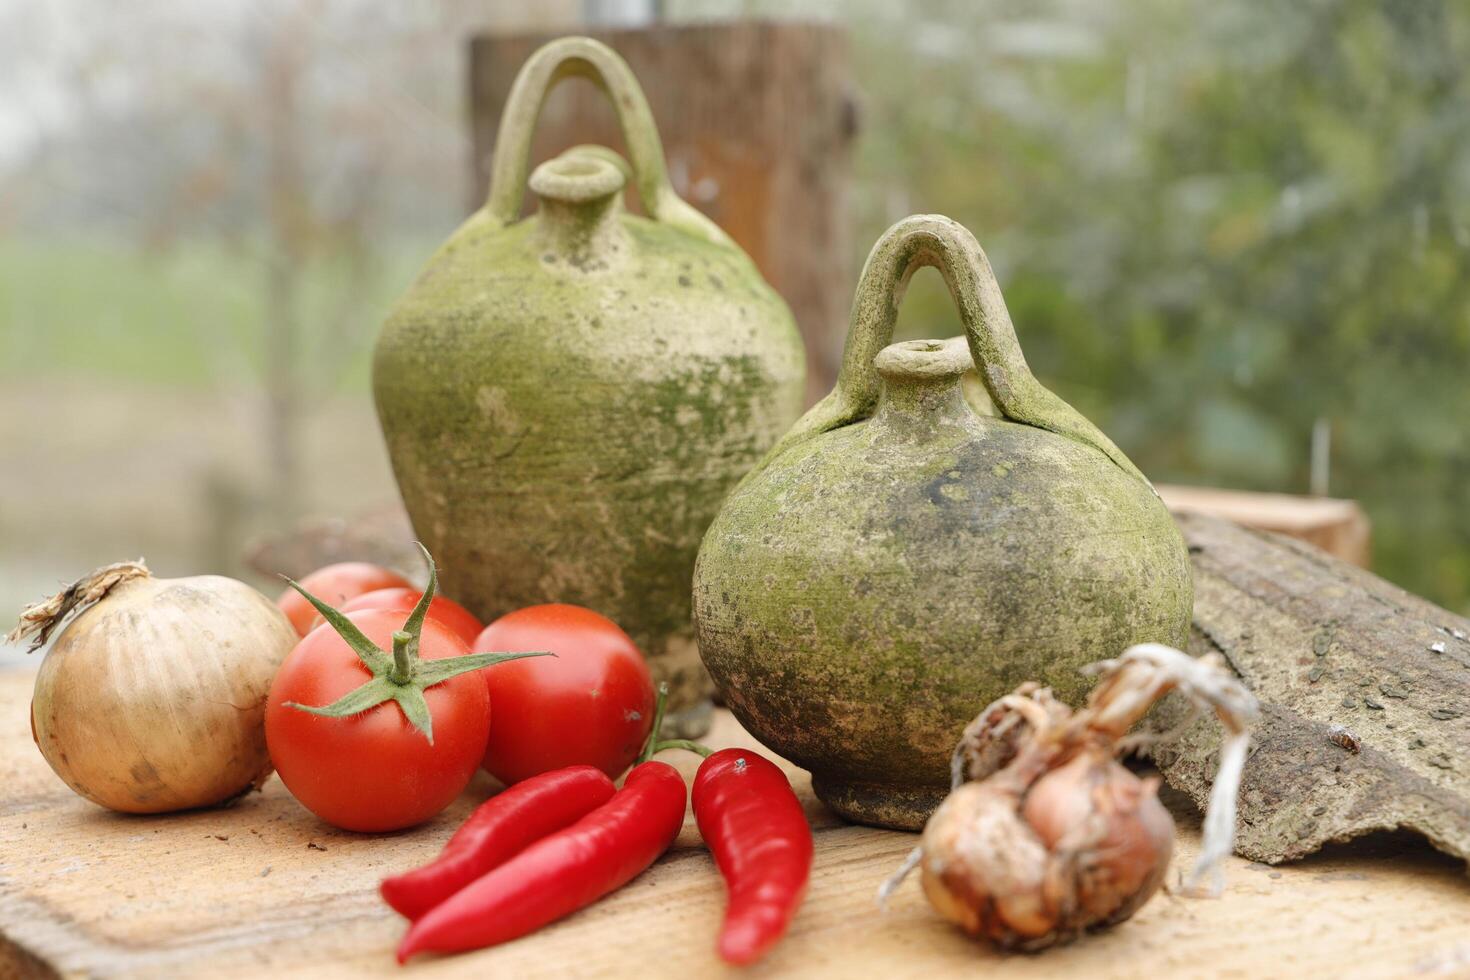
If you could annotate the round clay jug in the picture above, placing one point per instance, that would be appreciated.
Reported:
(898, 560)
(567, 397)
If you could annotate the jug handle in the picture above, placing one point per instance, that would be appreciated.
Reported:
(934, 240)
(600, 64)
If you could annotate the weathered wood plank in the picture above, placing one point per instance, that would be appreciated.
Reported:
(243, 892)
(1338, 527)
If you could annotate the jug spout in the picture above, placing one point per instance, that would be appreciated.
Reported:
(581, 195)
(921, 383)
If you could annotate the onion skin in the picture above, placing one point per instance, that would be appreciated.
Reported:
(1029, 860)
(1093, 811)
(1045, 835)
(983, 868)
(153, 698)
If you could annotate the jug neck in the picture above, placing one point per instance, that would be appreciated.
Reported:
(581, 198)
(921, 384)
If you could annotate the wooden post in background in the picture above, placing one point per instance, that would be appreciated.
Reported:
(757, 120)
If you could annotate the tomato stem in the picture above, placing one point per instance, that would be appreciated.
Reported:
(654, 745)
(659, 704)
(685, 744)
(403, 658)
(400, 677)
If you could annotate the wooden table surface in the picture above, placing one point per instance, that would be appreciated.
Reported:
(264, 888)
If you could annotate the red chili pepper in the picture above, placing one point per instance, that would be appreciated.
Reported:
(562, 872)
(754, 824)
(500, 828)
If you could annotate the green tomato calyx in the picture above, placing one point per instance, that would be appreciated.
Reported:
(400, 675)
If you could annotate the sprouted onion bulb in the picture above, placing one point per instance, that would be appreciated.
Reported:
(153, 698)
(1045, 835)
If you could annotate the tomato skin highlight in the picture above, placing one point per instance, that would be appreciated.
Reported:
(404, 598)
(497, 831)
(563, 872)
(335, 584)
(591, 704)
(374, 771)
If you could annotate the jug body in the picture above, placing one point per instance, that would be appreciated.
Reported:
(899, 560)
(567, 398)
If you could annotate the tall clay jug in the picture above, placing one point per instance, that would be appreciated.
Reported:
(898, 560)
(567, 397)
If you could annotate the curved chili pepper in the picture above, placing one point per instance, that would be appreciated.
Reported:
(500, 828)
(562, 872)
(752, 821)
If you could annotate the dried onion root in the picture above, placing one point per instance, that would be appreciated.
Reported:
(1045, 834)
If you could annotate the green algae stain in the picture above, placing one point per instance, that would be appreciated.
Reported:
(564, 427)
(900, 561)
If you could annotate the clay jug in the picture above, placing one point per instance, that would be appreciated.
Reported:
(566, 398)
(899, 560)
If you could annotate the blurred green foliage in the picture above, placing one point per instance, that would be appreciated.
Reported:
(1215, 223)
(188, 315)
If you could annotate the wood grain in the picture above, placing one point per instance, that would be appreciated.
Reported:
(1338, 527)
(264, 888)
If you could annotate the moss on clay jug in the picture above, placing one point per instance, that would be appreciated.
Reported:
(568, 397)
(898, 560)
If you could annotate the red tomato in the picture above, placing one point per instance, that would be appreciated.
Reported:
(334, 585)
(374, 771)
(591, 704)
(447, 611)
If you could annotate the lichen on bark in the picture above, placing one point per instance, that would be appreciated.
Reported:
(1364, 691)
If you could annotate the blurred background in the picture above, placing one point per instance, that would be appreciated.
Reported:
(1222, 226)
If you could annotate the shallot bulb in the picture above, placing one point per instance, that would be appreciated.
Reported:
(153, 698)
(1046, 835)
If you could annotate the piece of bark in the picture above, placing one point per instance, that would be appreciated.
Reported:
(1364, 691)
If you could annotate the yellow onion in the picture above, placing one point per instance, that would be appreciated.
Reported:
(153, 697)
(1046, 835)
